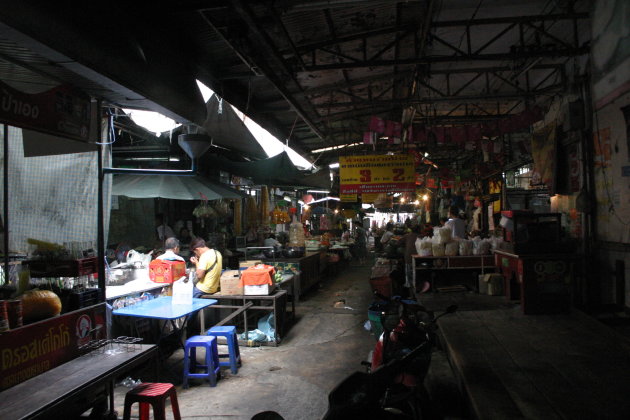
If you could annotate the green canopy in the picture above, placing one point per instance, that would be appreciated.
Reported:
(174, 187)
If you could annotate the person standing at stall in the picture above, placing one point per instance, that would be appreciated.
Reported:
(360, 243)
(208, 264)
(455, 223)
(162, 230)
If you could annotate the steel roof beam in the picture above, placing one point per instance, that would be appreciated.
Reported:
(510, 19)
(307, 48)
(452, 59)
(480, 97)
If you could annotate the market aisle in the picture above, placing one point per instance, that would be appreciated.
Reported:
(321, 348)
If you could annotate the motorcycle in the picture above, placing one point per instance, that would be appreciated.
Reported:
(393, 385)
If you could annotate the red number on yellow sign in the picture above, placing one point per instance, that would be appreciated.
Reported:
(366, 175)
(398, 174)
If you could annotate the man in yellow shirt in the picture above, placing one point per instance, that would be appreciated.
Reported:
(208, 263)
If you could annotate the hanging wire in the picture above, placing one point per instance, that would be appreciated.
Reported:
(291, 132)
(111, 133)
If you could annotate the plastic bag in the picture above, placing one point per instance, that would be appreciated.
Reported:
(141, 259)
(426, 247)
(182, 292)
(264, 332)
(438, 250)
(451, 248)
(465, 247)
(444, 235)
(254, 335)
(265, 324)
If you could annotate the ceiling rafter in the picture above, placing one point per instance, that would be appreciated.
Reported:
(309, 48)
(553, 53)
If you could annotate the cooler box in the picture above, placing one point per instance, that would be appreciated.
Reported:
(258, 280)
(230, 283)
(163, 271)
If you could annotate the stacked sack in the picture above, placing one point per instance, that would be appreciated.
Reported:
(441, 236)
(424, 246)
(443, 244)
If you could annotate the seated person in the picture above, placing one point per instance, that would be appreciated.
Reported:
(271, 241)
(208, 263)
(171, 246)
(185, 237)
(345, 233)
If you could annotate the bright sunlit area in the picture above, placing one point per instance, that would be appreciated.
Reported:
(152, 121)
(270, 144)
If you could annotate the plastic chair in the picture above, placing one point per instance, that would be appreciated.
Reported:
(234, 355)
(211, 366)
(152, 394)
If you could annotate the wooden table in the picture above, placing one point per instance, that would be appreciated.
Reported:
(278, 301)
(65, 391)
(515, 366)
(433, 265)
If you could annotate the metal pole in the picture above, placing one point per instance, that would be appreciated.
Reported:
(6, 202)
(100, 247)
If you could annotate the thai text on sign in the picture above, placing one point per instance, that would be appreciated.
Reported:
(376, 174)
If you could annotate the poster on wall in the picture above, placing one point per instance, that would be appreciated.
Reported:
(544, 155)
(373, 174)
(601, 148)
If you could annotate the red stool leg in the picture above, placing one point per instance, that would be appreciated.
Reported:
(175, 404)
(144, 410)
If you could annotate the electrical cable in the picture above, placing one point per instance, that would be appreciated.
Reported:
(111, 132)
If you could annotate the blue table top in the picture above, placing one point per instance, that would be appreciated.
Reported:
(163, 308)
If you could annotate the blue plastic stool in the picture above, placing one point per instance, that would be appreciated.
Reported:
(229, 332)
(211, 366)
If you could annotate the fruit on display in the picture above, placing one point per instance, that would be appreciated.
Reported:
(39, 304)
(277, 277)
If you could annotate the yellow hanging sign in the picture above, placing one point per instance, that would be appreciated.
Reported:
(371, 174)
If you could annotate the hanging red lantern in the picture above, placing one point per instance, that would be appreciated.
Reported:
(293, 210)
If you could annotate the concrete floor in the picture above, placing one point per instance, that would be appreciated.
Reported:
(323, 346)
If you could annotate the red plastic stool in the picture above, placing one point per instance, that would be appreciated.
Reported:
(154, 394)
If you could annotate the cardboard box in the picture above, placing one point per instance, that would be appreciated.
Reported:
(491, 284)
(164, 271)
(249, 263)
(263, 289)
(229, 283)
